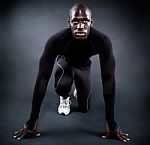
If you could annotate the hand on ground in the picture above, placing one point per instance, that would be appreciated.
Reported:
(24, 132)
(119, 134)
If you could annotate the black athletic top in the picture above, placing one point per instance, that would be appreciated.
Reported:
(77, 53)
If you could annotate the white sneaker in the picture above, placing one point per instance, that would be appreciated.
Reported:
(64, 106)
(75, 93)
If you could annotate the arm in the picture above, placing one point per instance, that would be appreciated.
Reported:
(46, 64)
(107, 62)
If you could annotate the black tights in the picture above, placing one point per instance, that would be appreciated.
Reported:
(65, 74)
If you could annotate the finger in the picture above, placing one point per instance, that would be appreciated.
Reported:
(105, 135)
(16, 132)
(118, 133)
(22, 135)
(37, 134)
(19, 133)
(125, 137)
(34, 133)
(15, 136)
(24, 132)
(125, 134)
(120, 137)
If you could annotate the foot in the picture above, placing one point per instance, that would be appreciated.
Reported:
(64, 106)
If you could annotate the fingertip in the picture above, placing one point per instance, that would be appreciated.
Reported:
(18, 138)
(16, 132)
(124, 140)
(38, 135)
(104, 137)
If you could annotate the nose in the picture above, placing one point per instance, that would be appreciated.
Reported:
(80, 25)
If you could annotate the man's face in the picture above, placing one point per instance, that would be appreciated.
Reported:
(80, 23)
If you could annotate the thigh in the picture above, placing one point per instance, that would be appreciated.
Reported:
(63, 72)
(83, 85)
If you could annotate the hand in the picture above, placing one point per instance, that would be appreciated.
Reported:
(24, 132)
(119, 134)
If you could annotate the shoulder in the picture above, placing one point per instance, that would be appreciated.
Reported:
(58, 37)
(99, 36)
(101, 41)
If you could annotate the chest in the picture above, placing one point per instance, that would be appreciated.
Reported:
(81, 50)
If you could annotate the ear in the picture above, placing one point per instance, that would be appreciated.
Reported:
(92, 22)
(69, 25)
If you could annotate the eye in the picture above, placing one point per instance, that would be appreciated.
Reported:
(85, 21)
(75, 22)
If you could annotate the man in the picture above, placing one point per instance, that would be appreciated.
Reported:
(71, 49)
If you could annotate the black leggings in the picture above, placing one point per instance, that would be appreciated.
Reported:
(65, 74)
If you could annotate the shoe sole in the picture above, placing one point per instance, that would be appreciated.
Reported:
(62, 113)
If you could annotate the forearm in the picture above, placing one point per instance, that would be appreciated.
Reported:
(109, 112)
(38, 96)
(45, 70)
(109, 98)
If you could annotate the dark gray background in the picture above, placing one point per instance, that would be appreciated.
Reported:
(24, 28)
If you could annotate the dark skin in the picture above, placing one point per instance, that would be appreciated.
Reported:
(80, 21)
(24, 132)
(119, 134)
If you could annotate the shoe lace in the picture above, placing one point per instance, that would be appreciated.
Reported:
(65, 102)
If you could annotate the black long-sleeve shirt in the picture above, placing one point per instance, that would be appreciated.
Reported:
(77, 53)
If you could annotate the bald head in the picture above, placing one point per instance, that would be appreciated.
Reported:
(80, 9)
(80, 20)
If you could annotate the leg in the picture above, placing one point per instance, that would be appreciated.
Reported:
(83, 85)
(63, 83)
(63, 77)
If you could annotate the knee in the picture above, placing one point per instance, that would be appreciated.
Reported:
(62, 85)
(63, 88)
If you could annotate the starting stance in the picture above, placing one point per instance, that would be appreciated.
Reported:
(71, 50)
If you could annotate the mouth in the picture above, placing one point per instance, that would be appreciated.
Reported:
(80, 34)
